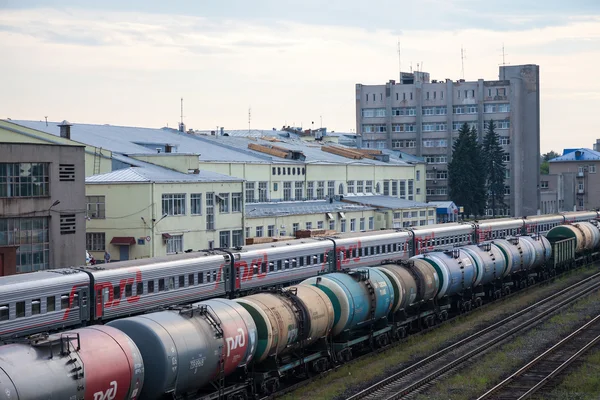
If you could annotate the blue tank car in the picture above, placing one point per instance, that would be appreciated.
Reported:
(455, 269)
(351, 298)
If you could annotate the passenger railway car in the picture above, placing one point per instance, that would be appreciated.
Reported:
(101, 293)
(242, 348)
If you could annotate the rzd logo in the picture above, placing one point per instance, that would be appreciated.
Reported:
(235, 342)
(109, 394)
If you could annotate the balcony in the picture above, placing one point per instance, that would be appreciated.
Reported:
(580, 174)
(580, 191)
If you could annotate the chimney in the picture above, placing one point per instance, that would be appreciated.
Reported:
(65, 129)
(222, 131)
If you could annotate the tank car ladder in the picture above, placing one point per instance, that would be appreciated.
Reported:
(215, 323)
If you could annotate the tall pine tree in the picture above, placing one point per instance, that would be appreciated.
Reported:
(466, 178)
(495, 169)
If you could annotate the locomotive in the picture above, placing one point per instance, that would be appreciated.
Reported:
(239, 348)
(58, 299)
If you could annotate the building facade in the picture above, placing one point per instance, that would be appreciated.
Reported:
(422, 117)
(42, 206)
(575, 177)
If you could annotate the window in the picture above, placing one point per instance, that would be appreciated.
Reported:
(506, 157)
(377, 188)
(309, 225)
(310, 190)
(592, 169)
(161, 285)
(471, 109)
(287, 191)
(368, 186)
(418, 175)
(20, 309)
(95, 207)
(64, 298)
(236, 238)
(259, 231)
(343, 225)
(410, 189)
(320, 190)
(223, 202)
(544, 184)
(263, 191)
(24, 180)
(299, 186)
(506, 190)
(362, 224)
(403, 189)
(350, 187)
(360, 187)
(128, 290)
(371, 223)
(352, 224)
(271, 230)
(173, 204)
(95, 241)
(196, 203)
(236, 202)
(150, 286)
(4, 312)
(210, 211)
(394, 188)
(224, 239)
(295, 227)
(139, 290)
(175, 244)
(332, 224)
(330, 189)
(319, 224)
(36, 306)
(50, 303)
(250, 192)
(386, 188)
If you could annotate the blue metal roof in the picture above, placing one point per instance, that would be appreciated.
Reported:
(385, 202)
(257, 210)
(582, 154)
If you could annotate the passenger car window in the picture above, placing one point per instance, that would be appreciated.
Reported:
(36, 306)
(200, 277)
(64, 301)
(150, 286)
(4, 312)
(140, 288)
(128, 290)
(181, 281)
(117, 292)
(20, 307)
(191, 279)
(161, 284)
(50, 303)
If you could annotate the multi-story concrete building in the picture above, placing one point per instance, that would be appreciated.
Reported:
(42, 205)
(422, 117)
(577, 172)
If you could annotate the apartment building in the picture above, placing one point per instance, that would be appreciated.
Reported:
(422, 117)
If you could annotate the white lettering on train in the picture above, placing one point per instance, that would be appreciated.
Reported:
(234, 342)
(109, 394)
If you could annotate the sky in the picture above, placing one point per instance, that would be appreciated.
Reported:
(290, 62)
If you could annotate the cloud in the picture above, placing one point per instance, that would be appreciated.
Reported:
(131, 67)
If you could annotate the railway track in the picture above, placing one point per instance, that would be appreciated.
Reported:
(411, 380)
(535, 374)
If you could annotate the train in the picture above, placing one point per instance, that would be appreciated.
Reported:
(244, 347)
(58, 299)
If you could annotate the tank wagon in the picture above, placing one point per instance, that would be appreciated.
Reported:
(236, 349)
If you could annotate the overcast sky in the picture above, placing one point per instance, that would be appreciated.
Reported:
(291, 61)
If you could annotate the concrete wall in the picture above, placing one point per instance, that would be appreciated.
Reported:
(126, 204)
(581, 187)
(65, 249)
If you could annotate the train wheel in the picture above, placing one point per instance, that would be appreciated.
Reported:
(507, 291)
(444, 315)
(478, 302)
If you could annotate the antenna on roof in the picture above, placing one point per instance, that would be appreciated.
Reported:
(46, 117)
(249, 118)
(463, 55)
(181, 124)
(504, 63)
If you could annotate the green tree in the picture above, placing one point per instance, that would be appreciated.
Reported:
(544, 165)
(466, 177)
(494, 167)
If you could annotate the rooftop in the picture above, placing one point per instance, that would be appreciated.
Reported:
(140, 171)
(578, 155)
(257, 210)
(135, 140)
(385, 202)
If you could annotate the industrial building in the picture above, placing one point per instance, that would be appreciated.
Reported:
(42, 205)
(422, 117)
(152, 192)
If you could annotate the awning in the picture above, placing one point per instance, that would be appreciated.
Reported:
(329, 215)
(166, 235)
(123, 240)
(342, 215)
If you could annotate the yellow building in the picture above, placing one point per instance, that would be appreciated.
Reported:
(149, 211)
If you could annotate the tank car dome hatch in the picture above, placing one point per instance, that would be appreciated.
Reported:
(489, 262)
(586, 234)
(101, 362)
(276, 323)
(456, 270)
(182, 348)
(349, 294)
